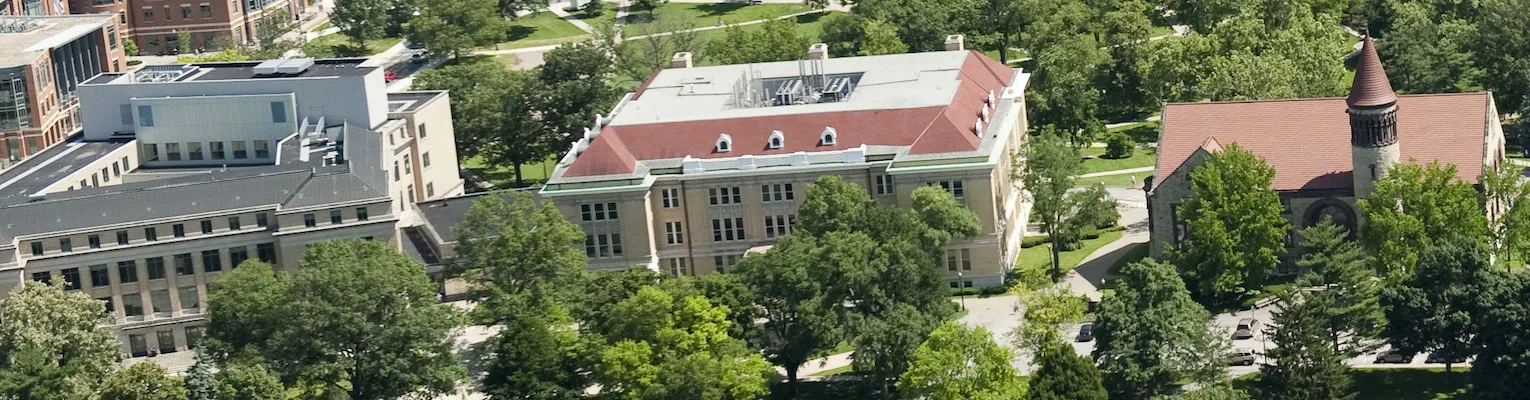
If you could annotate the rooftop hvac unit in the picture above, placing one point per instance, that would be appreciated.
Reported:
(268, 67)
(787, 93)
(294, 66)
(837, 90)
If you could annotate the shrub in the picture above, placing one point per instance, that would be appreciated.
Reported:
(1118, 145)
(1033, 241)
(1032, 277)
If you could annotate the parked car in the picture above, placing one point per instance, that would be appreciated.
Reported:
(390, 76)
(1241, 357)
(1394, 357)
(1438, 357)
(1245, 329)
(419, 57)
(1085, 333)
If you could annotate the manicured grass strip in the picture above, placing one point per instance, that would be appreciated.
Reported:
(1119, 180)
(1041, 256)
(698, 15)
(340, 45)
(832, 372)
(1095, 161)
(503, 176)
(539, 29)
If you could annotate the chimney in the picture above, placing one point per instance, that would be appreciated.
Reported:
(955, 43)
(681, 60)
(818, 51)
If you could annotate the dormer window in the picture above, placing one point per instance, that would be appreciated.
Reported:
(777, 139)
(724, 143)
(829, 136)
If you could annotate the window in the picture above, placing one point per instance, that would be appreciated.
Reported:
(71, 278)
(122, 237)
(159, 300)
(105, 176)
(127, 271)
(884, 185)
(430, 189)
(148, 14)
(185, 12)
(237, 255)
(99, 276)
(597, 211)
(188, 296)
(959, 259)
(777, 192)
(953, 187)
(116, 170)
(309, 221)
(266, 252)
(156, 267)
(262, 149)
(44, 277)
(194, 151)
(205, 10)
(671, 197)
(678, 266)
(233, 223)
(65, 245)
(421, 129)
(239, 152)
(674, 233)
(94, 241)
(179, 230)
(278, 112)
(172, 151)
(150, 152)
(183, 264)
(334, 217)
(603, 245)
(724, 143)
(776, 140)
(211, 261)
(206, 226)
(146, 113)
(425, 160)
(724, 262)
(779, 225)
(193, 335)
(829, 136)
(111, 310)
(217, 150)
(725, 195)
(727, 229)
(408, 168)
(361, 213)
(396, 174)
(261, 220)
(132, 306)
(151, 234)
(37, 248)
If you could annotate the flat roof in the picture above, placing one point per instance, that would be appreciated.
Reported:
(46, 168)
(228, 71)
(405, 102)
(51, 31)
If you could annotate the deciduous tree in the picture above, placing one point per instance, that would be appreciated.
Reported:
(1439, 307)
(958, 362)
(1411, 208)
(1046, 170)
(662, 349)
(247, 381)
(776, 40)
(881, 38)
(53, 342)
(1150, 336)
(452, 28)
(1502, 367)
(1502, 57)
(799, 321)
(536, 355)
(519, 253)
(1427, 53)
(1237, 232)
(361, 20)
(142, 381)
(1064, 375)
(1062, 93)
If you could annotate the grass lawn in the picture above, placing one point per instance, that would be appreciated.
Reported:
(323, 26)
(1094, 160)
(1160, 31)
(1118, 180)
(340, 45)
(809, 26)
(698, 15)
(1397, 384)
(1041, 256)
(503, 177)
(539, 29)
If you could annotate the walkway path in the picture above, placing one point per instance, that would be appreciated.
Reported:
(708, 28)
(1117, 172)
(561, 13)
(1121, 124)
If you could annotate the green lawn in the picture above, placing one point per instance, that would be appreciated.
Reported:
(1118, 180)
(1397, 384)
(503, 177)
(809, 26)
(697, 15)
(509, 60)
(1013, 54)
(340, 45)
(539, 29)
(1094, 160)
(1041, 256)
(1160, 31)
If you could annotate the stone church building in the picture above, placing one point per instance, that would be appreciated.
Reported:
(1326, 152)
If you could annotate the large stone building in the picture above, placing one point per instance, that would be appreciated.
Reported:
(701, 164)
(43, 60)
(1326, 152)
(185, 171)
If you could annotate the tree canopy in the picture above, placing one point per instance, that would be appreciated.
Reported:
(1439, 307)
(1411, 208)
(1237, 230)
(1303, 363)
(1065, 375)
(959, 363)
(668, 349)
(53, 343)
(1150, 336)
(142, 381)
(454, 27)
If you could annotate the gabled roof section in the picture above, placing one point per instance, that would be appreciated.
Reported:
(607, 155)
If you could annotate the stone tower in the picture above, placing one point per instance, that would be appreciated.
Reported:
(1372, 121)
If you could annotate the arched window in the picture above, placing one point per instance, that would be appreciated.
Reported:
(1334, 209)
(724, 143)
(829, 136)
(777, 139)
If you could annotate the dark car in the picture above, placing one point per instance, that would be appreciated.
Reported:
(1241, 357)
(1394, 357)
(1438, 357)
(1245, 329)
(1085, 333)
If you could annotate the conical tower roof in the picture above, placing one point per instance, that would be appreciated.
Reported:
(1371, 88)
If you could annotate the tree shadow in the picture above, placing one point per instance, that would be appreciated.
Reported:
(1098, 270)
(518, 32)
(718, 9)
(810, 18)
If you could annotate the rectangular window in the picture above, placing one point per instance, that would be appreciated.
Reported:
(37, 248)
(194, 151)
(308, 220)
(953, 187)
(146, 113)
(233, 223)
(211, 261)
(206, 10)
(777, 192)
(71, 278)
(422, 130)
(166, 337)
(150, 152)
(727, 229)
(725, 195)
(884, 185)
(430, 189)
(261, 220)
(105, 177)
(779, 225)
(156, 267)
(160, 300)
(239, 152)
(266, 252)
(122, 237)
(217, 150)
(151, 234)
(262, 149)
(65, 245)
(44, 277)
(111, 309)
(597, 211)
(193, 335)
(425, 160)
(172, 151)
(188, 296)
(99, 276)
(278, 112)
(334, 217)
(206, 226)
(603, 245)
(183, 265)
(127, 271)
(94, 241)
(132, 305)
(396, 174)
(674, 233)
(724, 262)
(361, 213)
(116, 170)
(678, 267)
(185, 12)
(671, 197)
(237, 255)
(966, 259)
(179, 230)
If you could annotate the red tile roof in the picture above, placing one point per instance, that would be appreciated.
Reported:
(1370, 87)
(1307, 140)
(928, 130)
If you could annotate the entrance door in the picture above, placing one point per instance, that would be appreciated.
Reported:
(138, 346)
(166, 341)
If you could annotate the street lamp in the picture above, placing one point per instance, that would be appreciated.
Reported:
(961, 287)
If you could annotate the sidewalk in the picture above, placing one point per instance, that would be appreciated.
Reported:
(561, 13)
(708, 28)
(1117, 172)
